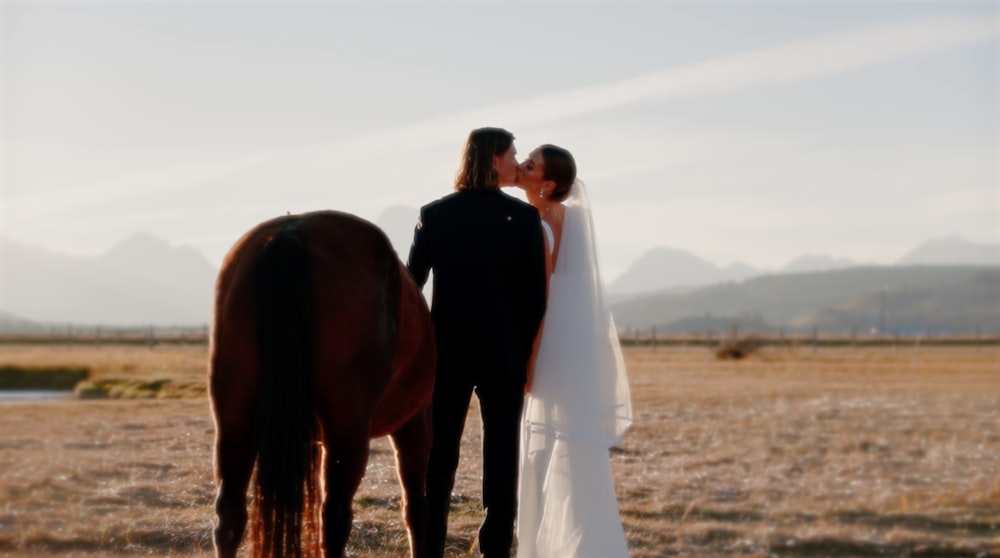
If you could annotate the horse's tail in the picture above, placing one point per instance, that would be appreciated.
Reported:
(285, 507)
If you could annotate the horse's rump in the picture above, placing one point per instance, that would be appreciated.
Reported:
(317, 331)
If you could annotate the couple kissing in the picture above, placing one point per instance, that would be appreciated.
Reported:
(521, 321)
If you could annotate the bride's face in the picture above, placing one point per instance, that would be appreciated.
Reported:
(531, 172)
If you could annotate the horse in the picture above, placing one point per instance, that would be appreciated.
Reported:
(320, 341)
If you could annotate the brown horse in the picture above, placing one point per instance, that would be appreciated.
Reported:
(320, 341)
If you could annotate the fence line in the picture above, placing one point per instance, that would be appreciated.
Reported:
(111, 335)
(198, 335)
(814, 339)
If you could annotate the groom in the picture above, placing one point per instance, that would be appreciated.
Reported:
(487, 254)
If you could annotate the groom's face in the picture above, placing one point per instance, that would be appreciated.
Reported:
(506, 166)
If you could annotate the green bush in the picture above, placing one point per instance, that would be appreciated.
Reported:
(47, 378)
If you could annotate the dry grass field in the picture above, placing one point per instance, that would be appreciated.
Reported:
(792, 452)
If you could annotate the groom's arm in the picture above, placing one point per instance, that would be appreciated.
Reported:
(419, 261)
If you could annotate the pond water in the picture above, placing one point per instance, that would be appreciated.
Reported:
(31, 395)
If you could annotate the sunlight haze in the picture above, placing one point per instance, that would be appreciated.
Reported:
(748, 132)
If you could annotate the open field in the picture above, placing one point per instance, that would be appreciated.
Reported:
(865, 451)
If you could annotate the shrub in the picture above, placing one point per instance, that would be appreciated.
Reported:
(737, 348)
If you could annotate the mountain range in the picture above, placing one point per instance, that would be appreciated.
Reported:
(142, 280)
(943, 285)
(145, 280)
(908, 299)
(668, 268)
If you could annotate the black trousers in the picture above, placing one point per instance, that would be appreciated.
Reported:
(500, 402)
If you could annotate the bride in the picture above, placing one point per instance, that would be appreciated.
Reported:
(578, 404)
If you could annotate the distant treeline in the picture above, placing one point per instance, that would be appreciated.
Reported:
(810, 340)
(198, 335)
(89, 334)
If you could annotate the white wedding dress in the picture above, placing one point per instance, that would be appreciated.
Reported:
(578, 408)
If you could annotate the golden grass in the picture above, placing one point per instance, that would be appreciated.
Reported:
(792, 452)
(120, 371)
(814, 453)
(166, 362)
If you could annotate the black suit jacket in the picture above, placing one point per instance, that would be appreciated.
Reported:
(488, 258)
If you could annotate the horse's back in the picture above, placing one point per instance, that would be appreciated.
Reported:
(347, 257)
(373, 330)
(329, 235)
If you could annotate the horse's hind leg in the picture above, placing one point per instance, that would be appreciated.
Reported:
(346, 459)
(233, 393)
(412, 443)
(234, 459)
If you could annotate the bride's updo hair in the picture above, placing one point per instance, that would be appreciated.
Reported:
(560, 167)
(477, 172)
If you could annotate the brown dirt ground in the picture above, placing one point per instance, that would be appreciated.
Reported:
(793, 452)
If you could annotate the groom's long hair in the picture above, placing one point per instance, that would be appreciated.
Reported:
(477, 172)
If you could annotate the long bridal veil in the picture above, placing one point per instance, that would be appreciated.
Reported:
(581, 380)
(578, 407)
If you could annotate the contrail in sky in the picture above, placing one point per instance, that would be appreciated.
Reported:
(802, 60)
(809, 59)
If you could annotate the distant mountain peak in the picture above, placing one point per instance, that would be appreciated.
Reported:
(664, 267)
(948, 239)
(140, 242)
(817, 262)
(141, 280)
(658, 254)
(952, 250)
(146, 247)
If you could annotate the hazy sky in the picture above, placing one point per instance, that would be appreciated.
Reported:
(741, 131)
